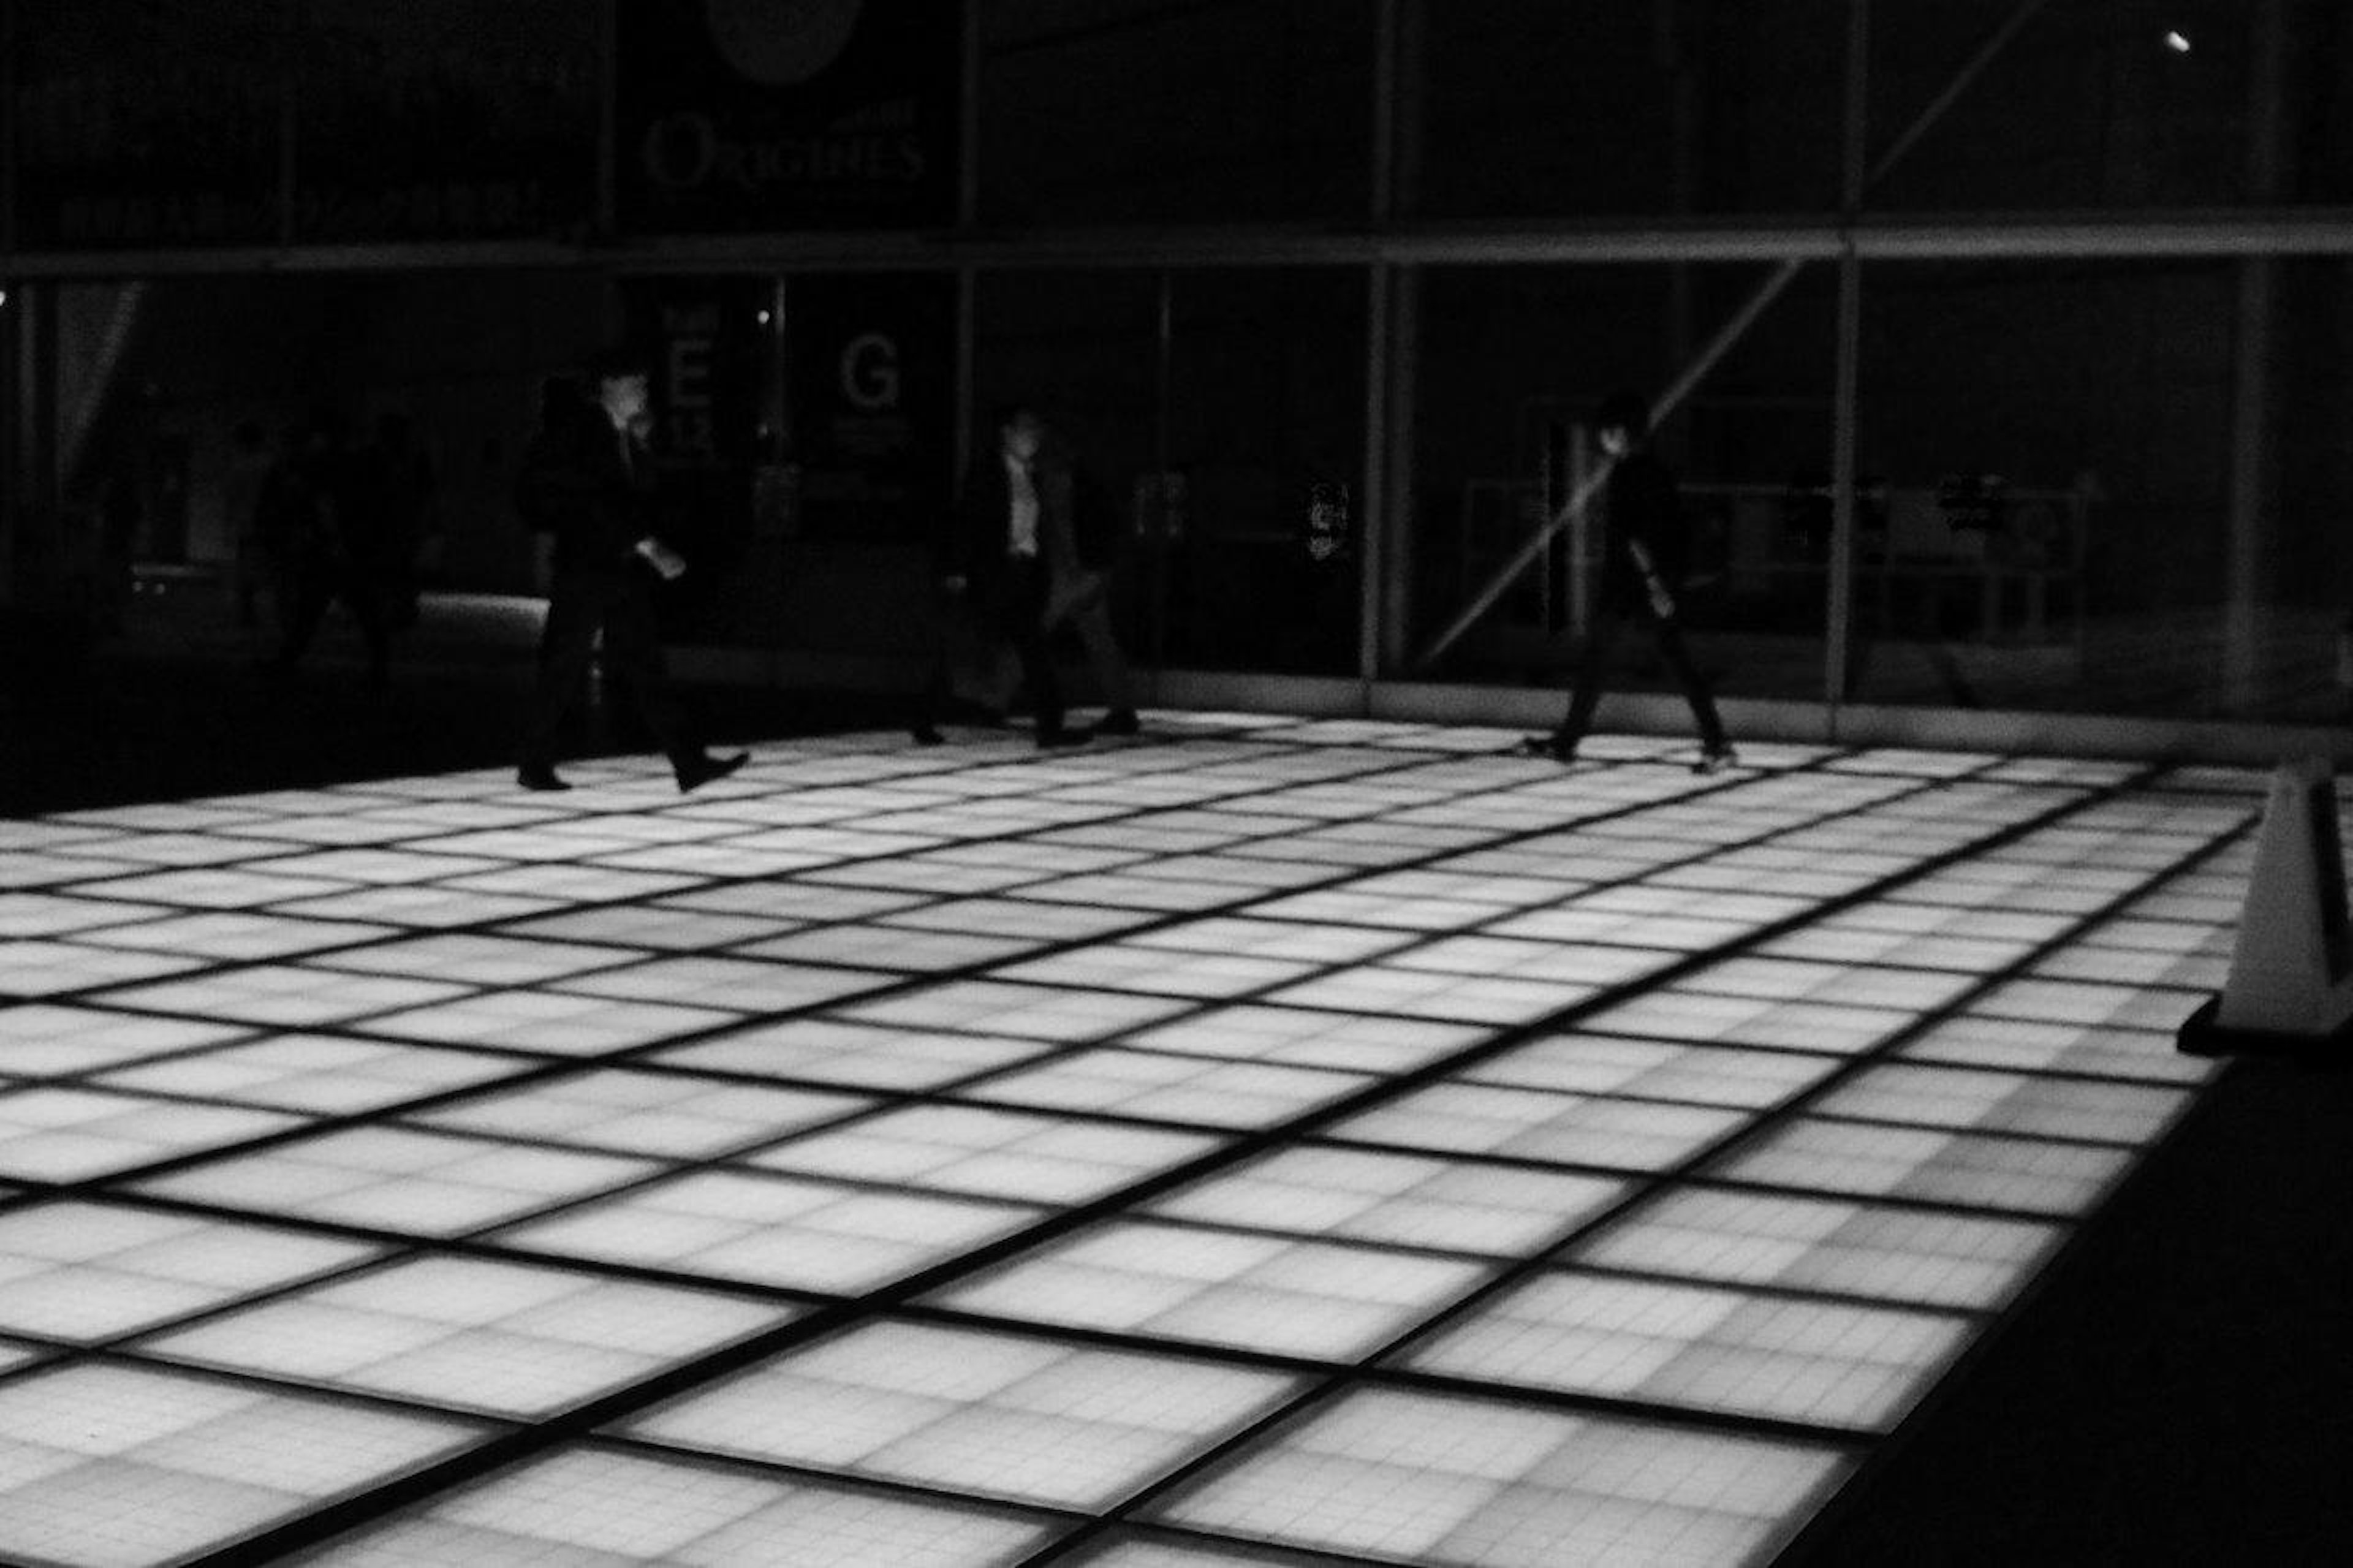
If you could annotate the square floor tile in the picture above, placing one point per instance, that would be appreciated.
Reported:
(586, 1507)
(1413, 1478)
(122, 1465)
(988, 1415)
(1250, 1291)
(503, 1339)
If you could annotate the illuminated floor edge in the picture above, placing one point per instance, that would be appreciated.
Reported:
(1271, 1141)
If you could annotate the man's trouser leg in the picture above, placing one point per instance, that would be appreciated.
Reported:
(567, 642)
(633, 649)
(306, 600)
(1695, 691)
(1021, 603)
(1092, 619)
(1592, 672)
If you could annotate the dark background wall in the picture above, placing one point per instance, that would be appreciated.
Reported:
(430, 125)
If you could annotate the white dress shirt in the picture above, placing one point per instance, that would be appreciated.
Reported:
(1021, 540)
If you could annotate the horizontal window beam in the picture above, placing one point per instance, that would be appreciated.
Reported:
(1938, 237)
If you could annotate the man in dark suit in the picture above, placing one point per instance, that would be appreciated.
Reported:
(1023, 524)
(588, 481)
(1642, 536)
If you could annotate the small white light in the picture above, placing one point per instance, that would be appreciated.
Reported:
(765, 317)
(2177, 42)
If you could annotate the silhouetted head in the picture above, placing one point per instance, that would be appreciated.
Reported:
(621, 380)
(1620, 421)
(1019, 430)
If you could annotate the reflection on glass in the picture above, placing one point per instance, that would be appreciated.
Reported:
(2048, 525)
(1512, 360)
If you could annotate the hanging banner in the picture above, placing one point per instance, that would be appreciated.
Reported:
(446, 120)
(736, 115)
(147, 126)
(871, 387)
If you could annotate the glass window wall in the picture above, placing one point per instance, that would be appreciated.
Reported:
(1212, 436)
(2051, 446)
(2097, 484)
(1512, 361)
(1265, 427)
(2304, 618)
(2315, 124)
(2080, 104)
(1674, 106)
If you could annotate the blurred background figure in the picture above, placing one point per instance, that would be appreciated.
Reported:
(320, 533)
(395, 487)
(120, 511)
(241, 494)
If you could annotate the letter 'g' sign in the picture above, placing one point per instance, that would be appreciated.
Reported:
(870, 372)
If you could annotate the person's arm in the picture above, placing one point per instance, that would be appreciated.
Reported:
(629, 488)
(1652, 508)
(1662, 601)
(668, 563)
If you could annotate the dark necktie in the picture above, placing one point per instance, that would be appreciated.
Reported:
(1055, 542)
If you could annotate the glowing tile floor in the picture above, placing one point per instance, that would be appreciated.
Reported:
(1268, 1142)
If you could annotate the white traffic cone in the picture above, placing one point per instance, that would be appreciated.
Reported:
(2290, 988)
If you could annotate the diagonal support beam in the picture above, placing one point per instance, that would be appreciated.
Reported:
(1963, 79)
(1718, 346)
